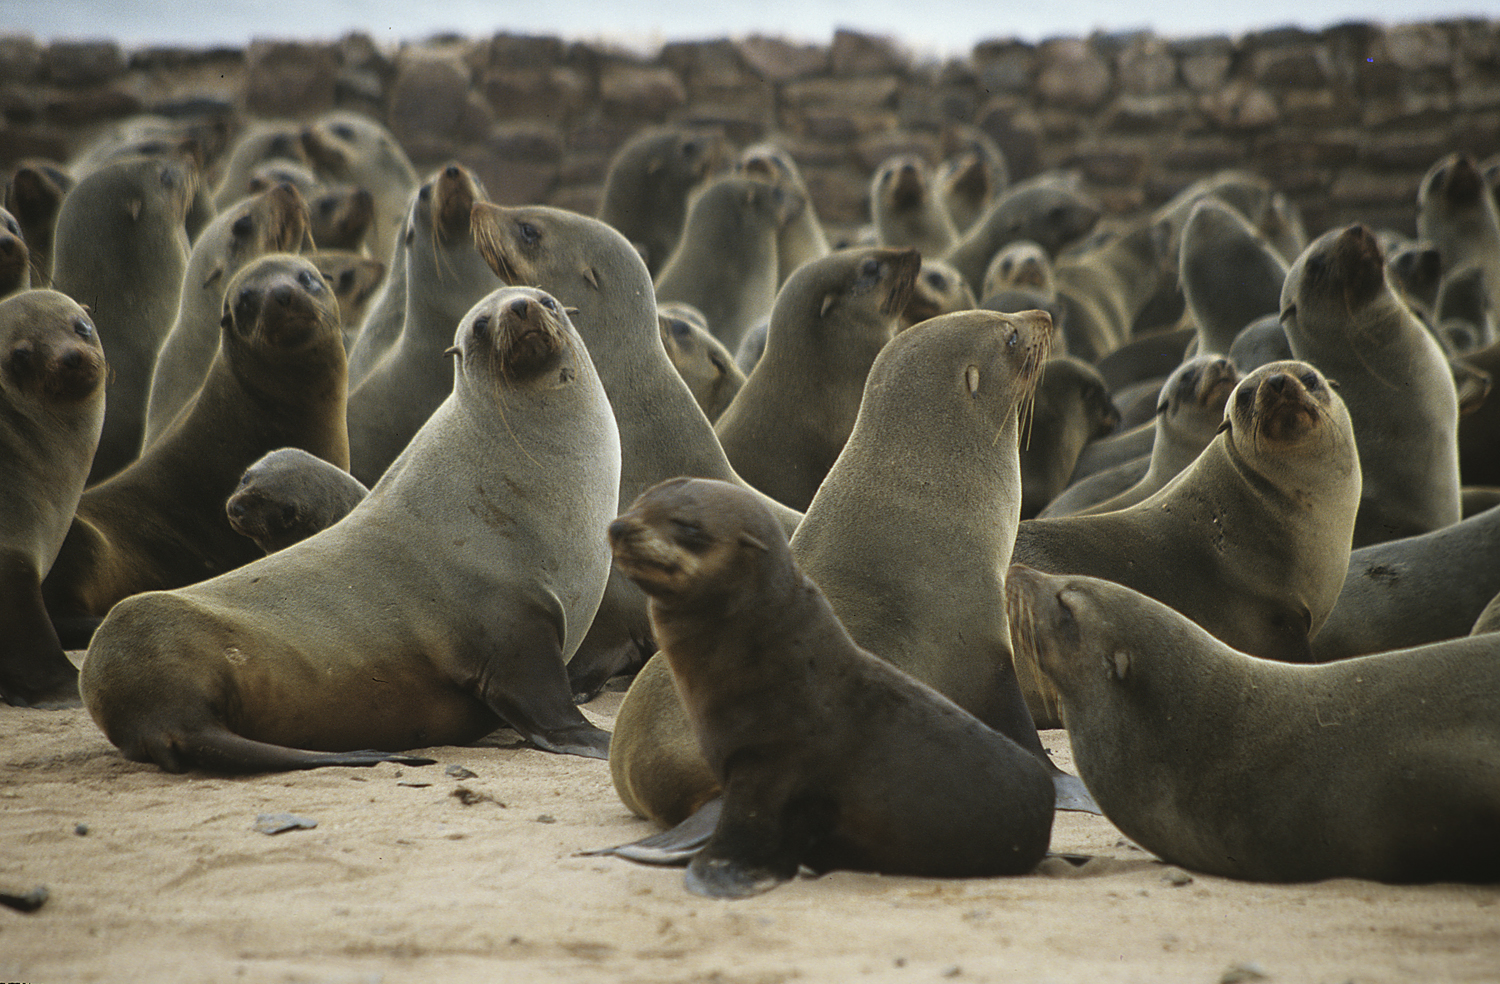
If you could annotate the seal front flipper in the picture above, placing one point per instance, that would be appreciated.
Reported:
(1072, 794)
(672, 847)
(525, 681)
(762, 835)
(33, 670)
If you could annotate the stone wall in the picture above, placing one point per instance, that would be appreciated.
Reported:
(1344, 120)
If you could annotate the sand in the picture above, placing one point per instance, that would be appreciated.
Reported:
(413, 874)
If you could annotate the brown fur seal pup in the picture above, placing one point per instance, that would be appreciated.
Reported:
(1341, 315)
(121, 251)
(1251, 540)
(1230, 275)
(1379, 768)
(15, 257)
(846, 762)
(278, 380)
(445, 276)
(289, 495)
(52, 372)
(355, 279)
(34, 195)
(590, 268)
(349, 149)
(802, 239)
(906, 209)
(1022, 263)
(1457, 214)
(1046, 212)
(649, 182)
(1105, 287)
(939, 289)
(444, 604)
(1415, 590)
(1189, 414)
(790, 420)
(725, 262)
(1072, 408)
(941, 399)
(702, 360)
(274, 221)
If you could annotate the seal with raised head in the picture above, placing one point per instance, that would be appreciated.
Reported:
(121, 251)
(445, 276)
(15, 257)
(1105, 287)
(1042, 210)
(289, 495)
(443, 606)
(789, 421)
(1251, 540)
(349, 148)
(278, 380)
(702, 360)
(593, 270)
(802, 239)
(1457, 214)
(725, 263)
(34, 195)
(273, 221)
(829, 757)
(649, 182)
(52, 372)
(906, 208)
(1341, 315)
(1230, 274)
(1381, 767)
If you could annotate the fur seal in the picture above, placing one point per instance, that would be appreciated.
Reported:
(355, 279)
(590, 267)
(444, 604)
(288, 495)
(278, 380)
(649, 182)
(121, 251)
(939, 289)
(52, 371)
(273, 221)
(702, 360)
(1042, 210)
(445, 276)
(1072, 408)
(906, 209)
(350, 149)
(1341, 315)
(790, 420)
(1189, 414)
(1104, 287)
(1251, 540)
(1262, 340)
(1413, 591)
(1230, 275)
(846, 762)
(34, 195)
(1379, 767)
(1022, 263)
(262, 141)
(971, 176)
(802, 239)
(1457, 214)
(15, 257)
(381, 326)
(725, 262)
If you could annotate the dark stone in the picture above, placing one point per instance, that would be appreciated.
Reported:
(83, 63)
(290, 79)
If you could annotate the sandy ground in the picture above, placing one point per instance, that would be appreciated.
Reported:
(413, 874)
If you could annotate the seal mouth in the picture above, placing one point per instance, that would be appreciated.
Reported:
(1218, 380)
(528, 335)
(1357, 266)
(909, 188)
(1283, 409)
(290, 220)
(902, 269)
(488, 225)
(1025, 591)
(644, 556)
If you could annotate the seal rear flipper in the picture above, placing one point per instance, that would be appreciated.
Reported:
(34, 672)
(524, 680)
(671, 848)
(592, 667)
(221, 750)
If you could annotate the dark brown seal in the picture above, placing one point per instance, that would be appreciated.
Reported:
(829, 757)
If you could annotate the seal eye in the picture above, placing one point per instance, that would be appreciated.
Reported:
(691, 536)
(871, 268)
(482, 326)
(530, 235)
(82, 328)
(343, 131)
(425, 192)
(310, 281)
(1244, 396)
(243, 226)
(1014, 339)
(938, 281)
(1310, 381)
(548, 303)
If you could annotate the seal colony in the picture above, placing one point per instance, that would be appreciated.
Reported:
(850, 683)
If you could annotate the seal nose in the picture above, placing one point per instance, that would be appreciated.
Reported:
(282, 294)
(236, 509)
(618, 529)
(1277, 382)
(521, 308)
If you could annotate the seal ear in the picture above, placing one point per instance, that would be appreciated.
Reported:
(971, 376)
(1224, 426)
(591, 277)
(829, 300)
(1119, 664)
(218, 272)
(747, 540)
(570, 312)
